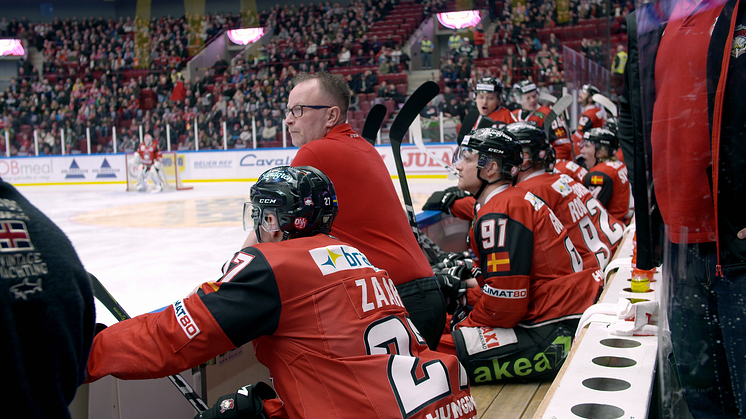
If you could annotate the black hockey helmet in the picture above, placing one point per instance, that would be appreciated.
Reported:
(602, 137)
(612, 124)
(302, 198)
(489, 85)
(533, 138)
(492, 144)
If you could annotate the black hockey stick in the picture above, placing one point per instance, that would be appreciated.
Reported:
(467, 125)
(102, 294)
(408, 113)
(373, 123)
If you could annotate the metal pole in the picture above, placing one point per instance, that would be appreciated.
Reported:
(442, 131)
(140, 128)
(168, 137)
(196, 135)
(7, 143)
(88, 138)
(36, 142)
(253, 129)
(62, 140)
(225, 136)
(114, 137)
(284, 136)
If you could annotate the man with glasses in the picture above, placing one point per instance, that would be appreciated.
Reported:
(373, 219)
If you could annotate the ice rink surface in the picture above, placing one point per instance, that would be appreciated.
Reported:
(148, 249)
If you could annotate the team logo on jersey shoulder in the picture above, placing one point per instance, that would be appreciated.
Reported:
(597, 180)
(536, 202)
(562, 186)
(739, 41)
(331, 259)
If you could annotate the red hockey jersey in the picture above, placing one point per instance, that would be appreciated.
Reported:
(572, 169)
(501, 116)
(593, 231)
(330, 327)
(530, 270)
(607, 181)
(148, 153)
(592, 117)
(558, 135)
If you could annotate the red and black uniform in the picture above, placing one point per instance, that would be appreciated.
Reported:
(558, 135)
(592, 117)
(572, 169)
(534, 289)
(330, 327)
(501, 116)
(607, 181)
(148, 153)
(594, 232)
(371, 219)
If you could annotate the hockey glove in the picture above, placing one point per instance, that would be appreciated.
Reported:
(453, 287)
(442, 200)
(246, 403)
(460, 315)
(449, 260)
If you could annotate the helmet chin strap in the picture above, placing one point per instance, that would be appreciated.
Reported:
(485, 182)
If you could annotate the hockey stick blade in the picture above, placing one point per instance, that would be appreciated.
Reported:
(558, 109)
(373, 122)
(562, 104)
(412, 107)
(408, 114)
(606, 103)
(467, 125)
(485, 122)
(415, 133)
(103, 295)
(546, 97)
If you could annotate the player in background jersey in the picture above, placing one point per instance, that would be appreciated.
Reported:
(593, 231)
(572, 169)
(527, 95)
(592, 116)
(330, 326)
(148, 157)
(533, 285)
(489, 103)
(607, 176)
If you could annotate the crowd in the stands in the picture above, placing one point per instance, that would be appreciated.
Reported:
(90, 81)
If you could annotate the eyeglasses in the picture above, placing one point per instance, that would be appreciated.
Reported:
(297, 110)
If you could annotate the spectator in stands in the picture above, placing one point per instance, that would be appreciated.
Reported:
(449, 73)
(343, 59)
(383, 89)
(394, 94)
(220, 67)
(426, 49)
(479, 39)
(454, 43)
(525, 64)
